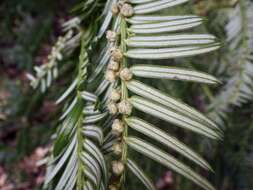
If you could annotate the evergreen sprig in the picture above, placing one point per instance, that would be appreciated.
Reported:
(109, 96)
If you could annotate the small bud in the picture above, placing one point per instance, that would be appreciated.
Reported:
(112, 187)
(117, 167)
(113, 65)
(116, 55)
(126, 74)
(117, 148)
(115, 9)
(125, 107)
(117, 127)
(127, 10)
(111, 35)
(112, 48)
(110, 76)
(112, 107)
(115, 95)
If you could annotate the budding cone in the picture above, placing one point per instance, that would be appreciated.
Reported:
(116, 55)
(115, 9)
(117, 127)
(126, 74)
(117, 149)
(115, 95)
(117, 167)
(125, 107)
(112, 108)
(127, 10)
(111, 35)
(112, 187)
(113, 65)
(110, 76)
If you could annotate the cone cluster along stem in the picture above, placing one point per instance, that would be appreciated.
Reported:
(119, 106)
